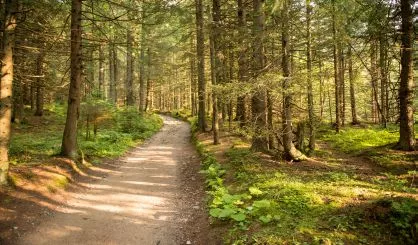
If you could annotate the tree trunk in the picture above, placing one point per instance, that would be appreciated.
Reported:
(129, 90)
(142, 83)
(216, 65)
(200, 50)
(101, 71)
(259, 100)
(241, 114)
(112, 73)
(39, 86)
(6, 86)
(291, 153)
(383, 78)
(336, 70)
(193, 77)
(406, 89)
(149, 81)
(69, 140)
(354, 119)
(309, 77)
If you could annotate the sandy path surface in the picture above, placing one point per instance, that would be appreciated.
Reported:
(150, 198)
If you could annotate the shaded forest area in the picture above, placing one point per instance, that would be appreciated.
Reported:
(286, 98)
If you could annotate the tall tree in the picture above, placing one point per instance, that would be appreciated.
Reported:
(290, 150)
(129, 90)
(216, 65)
(309, 76)
(406, 89)
(259, 99)
(69, 140)
(200, 50)
(6, 85)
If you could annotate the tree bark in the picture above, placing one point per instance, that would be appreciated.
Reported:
(69, 140)
(6, 86)
(142, 83)
(291, 153)
(216, 64)
(101, 71)
(241, 114)
(336, 70)
(200, 50)
(39, 86)
(259, 100)
(129, 70)
(309, 77)
(354, 119)
(406, 89)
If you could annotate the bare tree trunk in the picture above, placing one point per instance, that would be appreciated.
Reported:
(291, 153)
(149, 81)
(200, 50)
(216, 64)
(354, 119)
(113, 62)
(69, 140)
(406, 89)
(259, 100)
(383, 78)
(241, 114)
(342, 83)
(142, 83)
(6, 86)
(101, 71)
(309, 68)
(129, 90)
(193, 77)
(39, 86)
(336, 70)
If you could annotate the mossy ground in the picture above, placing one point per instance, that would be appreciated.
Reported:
(345, 194)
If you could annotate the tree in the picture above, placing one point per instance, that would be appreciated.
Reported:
(290, 150)
(6, 85)
(69, 139)
(406, 87)
(259, 99)
(309, 77)
(200, 50)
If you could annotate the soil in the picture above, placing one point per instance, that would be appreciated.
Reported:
(152, 195)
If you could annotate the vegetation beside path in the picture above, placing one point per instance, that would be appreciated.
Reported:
(347, 193)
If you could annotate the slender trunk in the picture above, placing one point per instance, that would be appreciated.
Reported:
(336, 68)
(216, 72)
(129, 90)
(383, 78)
(149, 81)
(342, 83)
(39, 87)
(200, 50)
(112, 73)
(309, 68)
(354, 120)
(101, 71)
(241, 114)
(406, 89)
(193, 77)
(291, 153)
(259, 100)
(321, 92)
(69, 140)
(142, 83)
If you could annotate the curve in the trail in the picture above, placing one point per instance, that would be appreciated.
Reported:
(139, 202)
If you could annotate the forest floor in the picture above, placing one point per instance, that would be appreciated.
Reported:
(355, 189)
(154, 194)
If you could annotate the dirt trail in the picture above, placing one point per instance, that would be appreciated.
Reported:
(154, 196)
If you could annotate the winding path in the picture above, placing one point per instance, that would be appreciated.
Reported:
(153, 196)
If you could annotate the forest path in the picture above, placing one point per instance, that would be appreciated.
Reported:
(154, 196)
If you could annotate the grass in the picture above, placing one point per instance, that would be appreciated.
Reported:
(122, 129)
(327, 201)
(375, 143)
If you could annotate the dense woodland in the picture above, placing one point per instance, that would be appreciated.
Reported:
(277, 73)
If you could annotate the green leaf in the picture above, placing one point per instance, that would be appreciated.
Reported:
(215, 212)
(255, 191)
(265, 218)
(238, 217)
(262, 204)
(226, 212)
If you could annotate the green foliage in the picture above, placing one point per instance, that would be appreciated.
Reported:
(120, 130)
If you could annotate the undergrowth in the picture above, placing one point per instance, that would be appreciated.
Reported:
(305, 203)
(118, 130)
